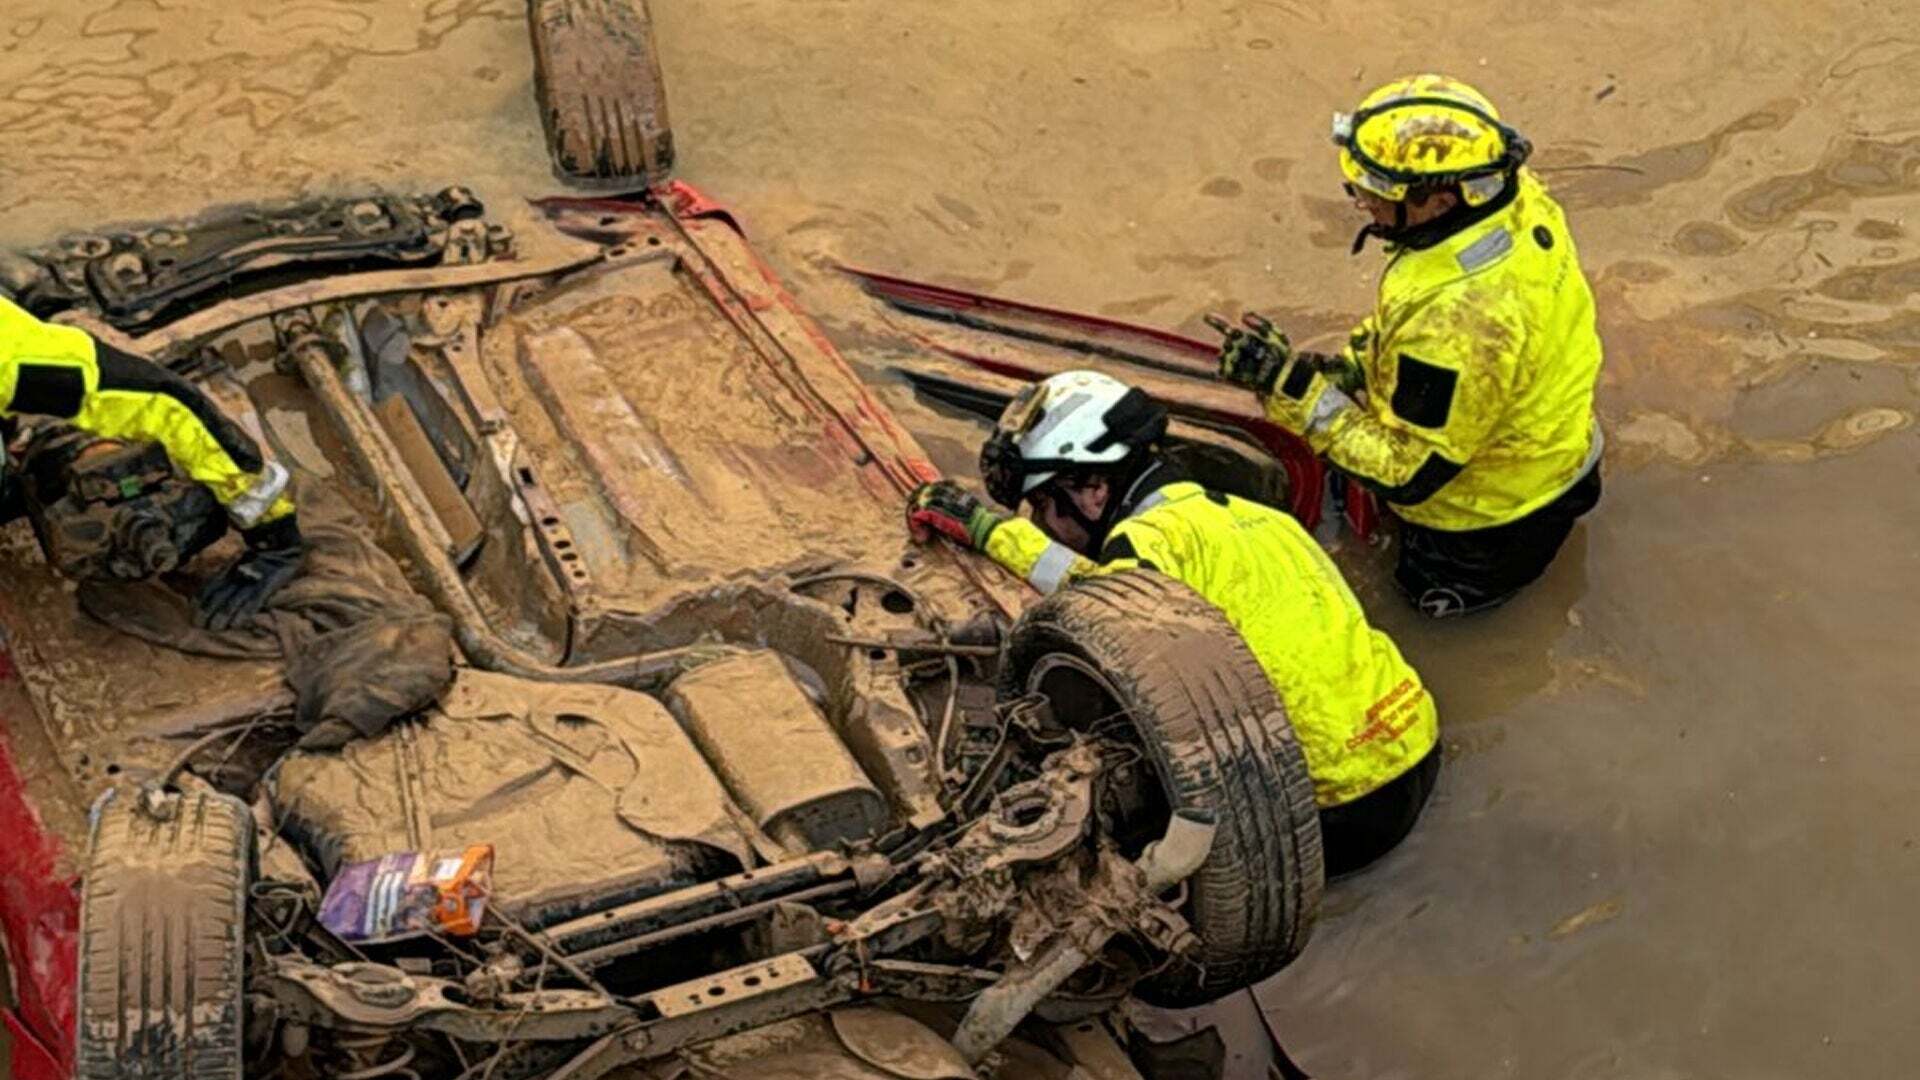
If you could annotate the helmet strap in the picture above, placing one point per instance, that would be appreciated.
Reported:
(1387, 233)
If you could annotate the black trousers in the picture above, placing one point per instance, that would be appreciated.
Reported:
(1355, 834)
(1458, 573)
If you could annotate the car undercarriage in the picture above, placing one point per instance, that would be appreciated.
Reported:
(613, 726)
(742, 759)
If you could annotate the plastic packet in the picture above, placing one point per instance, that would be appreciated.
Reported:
(409, 894)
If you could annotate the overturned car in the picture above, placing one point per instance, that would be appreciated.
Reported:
(613, 725)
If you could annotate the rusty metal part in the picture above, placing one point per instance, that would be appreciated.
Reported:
(1037, 821)
(1167, 861)
(539, 945)
(138, 276)
(454, 319)
(368, 997)
(972, 886)
(741, 983)
(915, 980)
(494, 979)
(554, 257)
(919, 605)
(310, 347)
(855, 964)
(916, 645)
(371, 1057)
(697, 901)
(601, 97)
(726, 1003)
(777, 753)
(420, 534)
(606, 954)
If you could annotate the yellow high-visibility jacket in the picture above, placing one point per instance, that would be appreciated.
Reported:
(1480, 361)
(1361, 713)
(60, 371)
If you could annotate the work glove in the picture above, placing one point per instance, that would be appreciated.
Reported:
(272, 559)
(1252, 357)
(946, 508)
(1300, 391)
(1342, 372)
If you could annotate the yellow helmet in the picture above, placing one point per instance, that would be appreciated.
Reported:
(1428, 131)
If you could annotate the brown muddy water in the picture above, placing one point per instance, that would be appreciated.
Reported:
(1677, 832)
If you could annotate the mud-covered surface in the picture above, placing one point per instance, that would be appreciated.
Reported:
(1676, 832)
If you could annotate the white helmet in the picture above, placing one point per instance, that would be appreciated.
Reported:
(1079, 421)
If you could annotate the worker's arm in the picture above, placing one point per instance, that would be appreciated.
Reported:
(1017, 544)
(1043, 562)
(1451, 386)
(61, 372)
(1047, 564)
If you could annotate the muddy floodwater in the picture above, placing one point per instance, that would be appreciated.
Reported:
(1679, 830)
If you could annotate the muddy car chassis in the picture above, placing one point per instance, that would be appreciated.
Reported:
(788, 766)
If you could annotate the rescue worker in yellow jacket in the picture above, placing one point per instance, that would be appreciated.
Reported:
(62, 372)
(1082, 449)
(1466, 398)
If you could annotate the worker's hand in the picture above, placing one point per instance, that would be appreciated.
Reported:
(1342, 372)
(1253, 356)
(272, 559)
(1305, 400)
(946, 508)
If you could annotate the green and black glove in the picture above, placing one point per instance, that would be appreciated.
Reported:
(1253, 357)
(946, 508)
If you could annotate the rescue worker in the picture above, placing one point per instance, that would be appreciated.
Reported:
(1466, 398)
(62, 372)
(1082, 449)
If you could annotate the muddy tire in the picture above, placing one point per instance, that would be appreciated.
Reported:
(602, 101)
(1218, 739)
(161, 940)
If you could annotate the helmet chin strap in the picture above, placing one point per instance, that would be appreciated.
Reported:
(1428, 233)
(1387, 233)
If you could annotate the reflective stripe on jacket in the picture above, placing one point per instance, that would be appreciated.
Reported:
(1360, 710)
(1480, 361)
(59, 371)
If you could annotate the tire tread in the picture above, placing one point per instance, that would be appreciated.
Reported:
(162, 924)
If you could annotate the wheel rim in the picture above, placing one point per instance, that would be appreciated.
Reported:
(1134, 799)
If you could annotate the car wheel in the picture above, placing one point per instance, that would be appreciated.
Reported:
(600, 93)
(1143, 652)
(163, 913)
